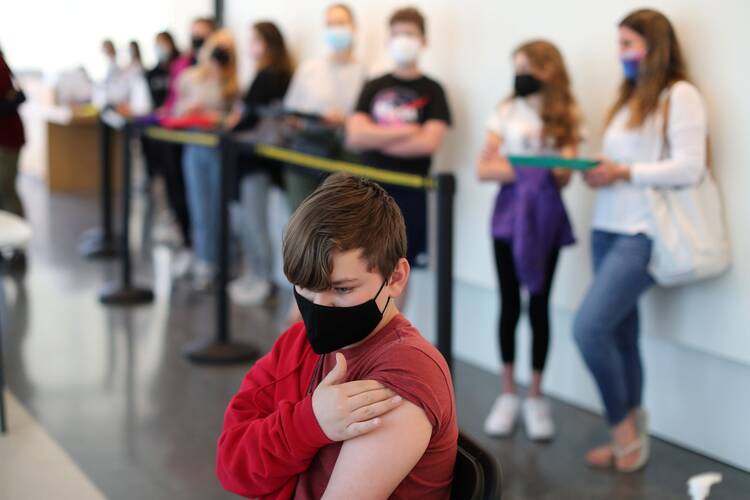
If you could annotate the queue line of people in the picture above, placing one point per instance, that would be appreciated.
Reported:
(399, 121)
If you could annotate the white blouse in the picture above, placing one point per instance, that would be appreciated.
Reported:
(518, 122)
(624, 207)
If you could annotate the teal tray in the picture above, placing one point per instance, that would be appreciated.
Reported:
(553, 162)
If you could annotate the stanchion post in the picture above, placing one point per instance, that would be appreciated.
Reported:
(446, 188)
(221, 350)
(124, 293)
(3, 415)
(101, 243)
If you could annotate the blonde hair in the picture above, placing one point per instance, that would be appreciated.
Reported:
(228, 77)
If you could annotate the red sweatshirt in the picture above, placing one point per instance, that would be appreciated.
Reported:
(272, 446)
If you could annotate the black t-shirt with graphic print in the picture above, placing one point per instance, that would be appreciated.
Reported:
(389, 101)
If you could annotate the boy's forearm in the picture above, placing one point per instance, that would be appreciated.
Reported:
(363, 135)
(420, 144)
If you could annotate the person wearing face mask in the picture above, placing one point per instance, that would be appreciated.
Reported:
(165, 159)
(158, 76)
(110, 54)
(200, 30)
(655, 138)
(274, 70)
(326, 86)
(206, 92)
(401, 120)
(113, 89)
(529, 222)
(352, 401)
(169, 156)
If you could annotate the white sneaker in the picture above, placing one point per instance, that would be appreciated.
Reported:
(248, 292)
(203, 276)
(182, 261)
(502, 418)
(537, 419)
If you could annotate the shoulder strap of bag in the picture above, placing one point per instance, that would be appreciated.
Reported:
(665, 135)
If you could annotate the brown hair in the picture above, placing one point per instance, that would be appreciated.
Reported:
(277, 56)
(662, 66)
(344, 213)
(409, 15)
(560, 114)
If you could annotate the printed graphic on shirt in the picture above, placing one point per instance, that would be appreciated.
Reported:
(398, 106)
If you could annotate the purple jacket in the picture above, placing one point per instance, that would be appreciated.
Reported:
(530, 215)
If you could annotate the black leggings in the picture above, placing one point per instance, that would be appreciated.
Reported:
(510, 294)
(165, 159)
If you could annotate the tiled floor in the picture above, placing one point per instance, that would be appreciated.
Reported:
(112, 387)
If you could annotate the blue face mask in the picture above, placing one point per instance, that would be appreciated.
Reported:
(339, 39)
(631, 67)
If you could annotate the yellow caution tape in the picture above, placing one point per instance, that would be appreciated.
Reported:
(182, 137)
(328, 165)
(297, 158)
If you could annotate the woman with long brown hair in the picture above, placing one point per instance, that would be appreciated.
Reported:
(529, 223)
(273, 73)
(655, 138)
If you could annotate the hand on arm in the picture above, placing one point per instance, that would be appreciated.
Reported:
(334, 118)
(363, 133)
(425, 142)
(491, 166)
(232, 119)
(372, 466)
(345, 411)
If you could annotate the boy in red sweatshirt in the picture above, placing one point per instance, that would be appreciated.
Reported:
(352, 402)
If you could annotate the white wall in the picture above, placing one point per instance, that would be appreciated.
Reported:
(697, 340)
(54, 35)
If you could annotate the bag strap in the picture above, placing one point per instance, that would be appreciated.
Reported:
(665, 135)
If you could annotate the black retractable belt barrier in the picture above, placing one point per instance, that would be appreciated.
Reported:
(124, 292)
(446, 188)
(101, 243)
(221, 350)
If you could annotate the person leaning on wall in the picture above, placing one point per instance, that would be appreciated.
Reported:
(635, 159)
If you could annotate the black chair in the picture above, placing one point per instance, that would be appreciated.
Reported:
(477, 474)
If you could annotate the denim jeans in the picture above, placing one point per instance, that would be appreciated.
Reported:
(254, 231)
(201, 166)
(606, 326)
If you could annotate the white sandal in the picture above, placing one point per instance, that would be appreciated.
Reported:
(638, 444)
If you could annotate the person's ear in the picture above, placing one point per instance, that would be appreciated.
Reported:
(399, 278)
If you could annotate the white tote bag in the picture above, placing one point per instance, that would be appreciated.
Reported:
(690, 238)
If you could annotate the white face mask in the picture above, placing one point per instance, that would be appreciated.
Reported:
(405, 49)
(339, 38)
(162, 53)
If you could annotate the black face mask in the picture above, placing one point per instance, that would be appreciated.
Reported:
(332, 328)
(221, 56)
(197, 42)
(526, 84)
